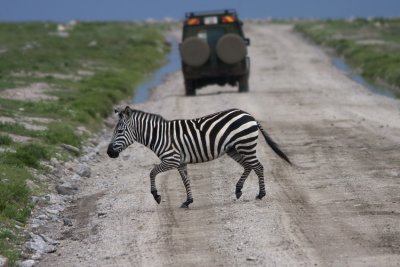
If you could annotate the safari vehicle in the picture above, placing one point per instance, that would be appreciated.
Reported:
(214, 50)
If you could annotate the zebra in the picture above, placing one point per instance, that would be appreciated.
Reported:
(180, 142)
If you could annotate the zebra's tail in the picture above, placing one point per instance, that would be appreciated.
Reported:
(273, 145)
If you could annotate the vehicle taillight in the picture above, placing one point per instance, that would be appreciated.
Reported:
(193, 21)
(228, 19)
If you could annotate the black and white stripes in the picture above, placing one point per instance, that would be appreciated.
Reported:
(180, 142)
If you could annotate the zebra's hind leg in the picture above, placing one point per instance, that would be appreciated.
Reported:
(249, 162)
(247, 169)
(162, 167)
(259, 170)
(239, 184)
(185, 178)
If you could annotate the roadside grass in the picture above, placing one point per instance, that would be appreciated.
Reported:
(16, 128)
(5, 140)
(61, 133)
(8, 241)
(370, 46)
(89, 67)
(14, 205)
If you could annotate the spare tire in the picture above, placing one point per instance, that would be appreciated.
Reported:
(231, 48)
(194, 51)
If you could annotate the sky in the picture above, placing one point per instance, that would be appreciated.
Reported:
(104, 10)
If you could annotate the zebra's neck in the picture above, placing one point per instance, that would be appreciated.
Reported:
(151, 130)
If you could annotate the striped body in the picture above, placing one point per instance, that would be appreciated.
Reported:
(180, 142)
(209, 137)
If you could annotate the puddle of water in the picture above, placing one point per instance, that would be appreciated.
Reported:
(341, 65)
(174, 64)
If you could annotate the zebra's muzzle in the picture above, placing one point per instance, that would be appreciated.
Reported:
(111, 152)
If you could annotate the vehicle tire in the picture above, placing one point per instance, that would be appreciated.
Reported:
(244, 83)
(231, 48)
(189, 88)
(194, 51)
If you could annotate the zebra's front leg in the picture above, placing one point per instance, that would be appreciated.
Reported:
(185, 178)
(153, 188)
(162, 167)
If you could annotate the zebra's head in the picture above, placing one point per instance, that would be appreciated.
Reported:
(122, 137)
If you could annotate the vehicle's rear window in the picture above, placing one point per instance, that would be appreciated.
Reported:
(211, 35)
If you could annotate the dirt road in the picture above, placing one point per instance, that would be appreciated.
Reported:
(340, 206)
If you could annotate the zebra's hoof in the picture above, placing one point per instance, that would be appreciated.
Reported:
(157, 199)
(238, 194)
(185, 205)
(260, 196)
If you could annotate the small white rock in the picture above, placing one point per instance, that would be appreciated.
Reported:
(3, 261)
(84, 170)
(26, 263)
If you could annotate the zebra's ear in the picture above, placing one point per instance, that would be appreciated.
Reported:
(128, 111)
(118, 111)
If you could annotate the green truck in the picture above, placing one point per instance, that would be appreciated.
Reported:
(214, 51)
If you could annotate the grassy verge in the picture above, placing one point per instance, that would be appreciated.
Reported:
(85, 68)
(372, 47)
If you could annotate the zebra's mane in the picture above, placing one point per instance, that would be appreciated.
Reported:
(150, 114)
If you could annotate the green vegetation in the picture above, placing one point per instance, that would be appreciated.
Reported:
(5, 140)
(371, 46)
(61, 133)
(15, 128)
(82, 70)
(7, 240)
(14, 203)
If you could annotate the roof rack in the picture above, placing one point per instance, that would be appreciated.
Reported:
(211, 12)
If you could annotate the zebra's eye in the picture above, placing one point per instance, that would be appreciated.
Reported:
(120, 131)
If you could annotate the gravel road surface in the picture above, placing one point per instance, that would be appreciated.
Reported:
(338, 206)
